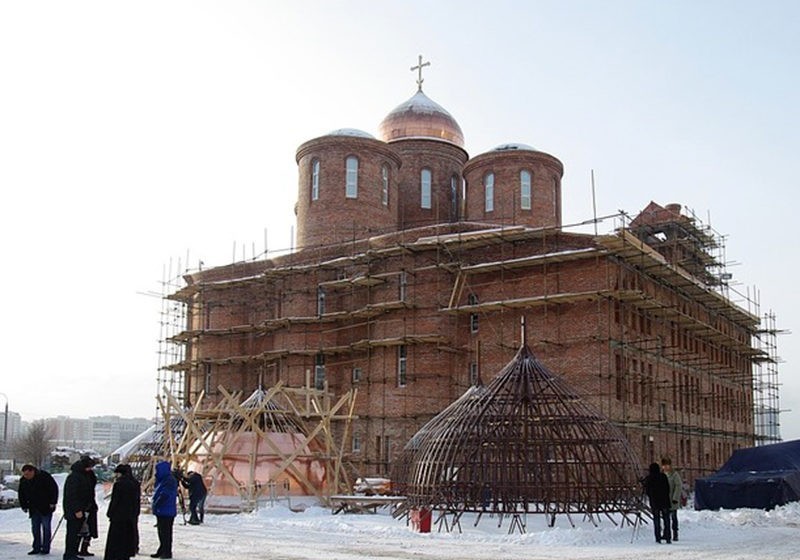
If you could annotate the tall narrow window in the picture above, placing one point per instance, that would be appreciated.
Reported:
(356, 443)
(402, 285)
(385, 185)
(320, 300)
(425, 188)
(319, 372)
(356, 374)
(387, 449)
(473, 373)
(488, 185)
(351, 188)
(207, 380)
(315, 179)
(401, 366)
(454, 198)
(525, 190)
(472, 299)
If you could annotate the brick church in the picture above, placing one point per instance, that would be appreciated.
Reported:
(415, 264)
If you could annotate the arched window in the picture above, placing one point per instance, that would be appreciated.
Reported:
(488, 185)
(525, 189)
(425, 188)
(351, 187)
(454, 198)
(385, 185)
(314, 179)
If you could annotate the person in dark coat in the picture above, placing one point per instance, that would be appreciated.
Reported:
(38, 496)
(197, 496)
(77, 501)
(122, 541)
(656, 486)
(89, 529)
(165, 495)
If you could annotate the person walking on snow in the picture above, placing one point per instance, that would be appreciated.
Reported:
(38, 496)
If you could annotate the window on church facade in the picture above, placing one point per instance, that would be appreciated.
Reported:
(320, 300)
(319, 371)
(488, 186)
(473, 373)
(351, 188)
(402, 284)
(472, 299)
(401, 366)
(425, 188)
(385, 185)
(454, 198)
(525, 189)
(207, 385)
(315, 179)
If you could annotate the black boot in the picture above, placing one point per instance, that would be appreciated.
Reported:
(84, 551)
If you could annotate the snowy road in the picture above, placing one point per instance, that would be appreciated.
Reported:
(277, 533)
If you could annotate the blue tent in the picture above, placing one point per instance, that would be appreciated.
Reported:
(755, 477)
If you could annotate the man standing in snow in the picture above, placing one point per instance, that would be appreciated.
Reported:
(675, 490)
(656, 486)
(38, 495)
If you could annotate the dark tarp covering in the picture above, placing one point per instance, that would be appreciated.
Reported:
(755, 477)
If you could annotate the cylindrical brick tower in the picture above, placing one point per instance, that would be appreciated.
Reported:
(431, 146)
(514, 184)
(348, 188)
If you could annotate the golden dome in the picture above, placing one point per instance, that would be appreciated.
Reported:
(420, 117)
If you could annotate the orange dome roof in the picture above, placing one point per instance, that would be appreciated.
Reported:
(420, 117)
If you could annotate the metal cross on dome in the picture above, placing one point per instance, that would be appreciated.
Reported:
(420, 65)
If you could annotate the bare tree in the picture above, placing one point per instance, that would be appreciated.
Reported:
(34, 447)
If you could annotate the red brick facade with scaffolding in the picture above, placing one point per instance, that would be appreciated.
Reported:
(414, 268)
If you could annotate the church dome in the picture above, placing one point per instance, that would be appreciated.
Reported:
(420, 117)
(351, 132)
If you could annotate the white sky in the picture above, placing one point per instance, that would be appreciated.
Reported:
(275, 532)
(135, 133)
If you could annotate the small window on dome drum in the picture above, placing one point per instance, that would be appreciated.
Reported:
(315, 179)
(525, 189)
(488, 185)
(425, 188)
(385, 185)
(351, 187)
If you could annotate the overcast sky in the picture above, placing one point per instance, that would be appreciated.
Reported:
(137, 135)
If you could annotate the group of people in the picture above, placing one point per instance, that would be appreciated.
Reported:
(664, 489)
(38, 496)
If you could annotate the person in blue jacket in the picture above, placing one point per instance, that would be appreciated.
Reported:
(165, 495)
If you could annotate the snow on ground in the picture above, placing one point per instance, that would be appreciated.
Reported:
(315, 534)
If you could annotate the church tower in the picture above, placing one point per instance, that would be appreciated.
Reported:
(431, 145)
